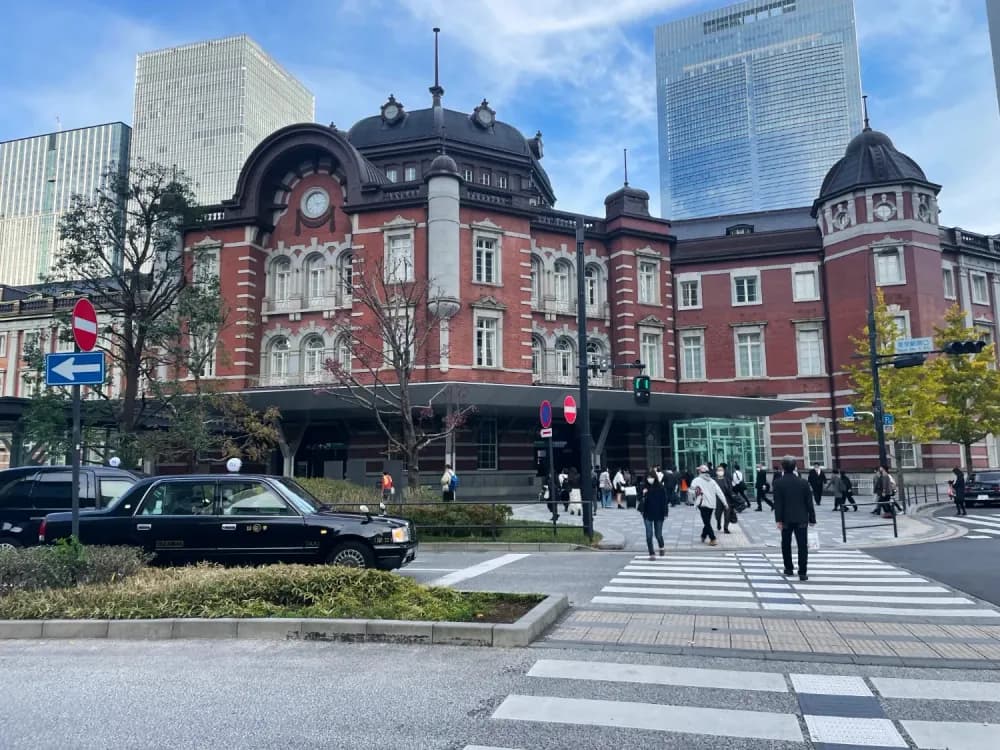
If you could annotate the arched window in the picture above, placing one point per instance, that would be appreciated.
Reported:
(315, 280)
(592, 286)
(564, 359)
(281, 280)
(278, 358)
(342, 352)
(313, 359)
(537, 357)
(345, 276)
(536, 280)
(561, 279)
(596, 355)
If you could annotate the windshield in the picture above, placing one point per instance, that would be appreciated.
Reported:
(988, 477)
(300, 497)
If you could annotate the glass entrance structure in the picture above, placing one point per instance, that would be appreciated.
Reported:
(715, 441)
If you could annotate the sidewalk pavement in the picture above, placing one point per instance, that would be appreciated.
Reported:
(901, 643)
(623, 529)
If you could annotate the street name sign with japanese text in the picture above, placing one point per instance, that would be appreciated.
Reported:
(914, 346)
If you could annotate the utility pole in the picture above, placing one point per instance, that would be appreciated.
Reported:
(583, 417)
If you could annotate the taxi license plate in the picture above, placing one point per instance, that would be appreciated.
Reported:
(981, 497)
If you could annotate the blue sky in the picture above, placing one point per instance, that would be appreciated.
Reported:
(581, 71)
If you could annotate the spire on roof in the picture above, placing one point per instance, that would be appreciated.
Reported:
(864, 104)
(625, 157)
(436, 90)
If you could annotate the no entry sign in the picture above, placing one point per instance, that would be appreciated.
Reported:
(84, 324)
(545, 414)
(569, 409)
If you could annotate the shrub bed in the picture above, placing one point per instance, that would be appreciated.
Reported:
(273, 591)
(340, 492)
(65, 564)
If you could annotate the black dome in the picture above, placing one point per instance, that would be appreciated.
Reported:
(442, 164)
(870, 159)
(420, 124)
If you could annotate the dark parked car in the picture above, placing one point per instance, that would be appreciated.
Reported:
(242, 519)
(983, 488)
(29, 493)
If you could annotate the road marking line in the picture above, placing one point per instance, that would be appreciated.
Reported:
(993, 518)
(431, 570)
(992, 532)
(956, 735)
(942, 690)
(487, 747)
(823, 684)
(653, 591)
(854, 731)
(977, 521)
(861, 589)
(977, 536)
(476, 570)
(681, 582)
(646, 602)
(715, 722)
(925, 612)
(854, 597)
(644, 674)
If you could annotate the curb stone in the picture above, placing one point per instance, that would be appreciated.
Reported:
(506, 547)
(518, 634)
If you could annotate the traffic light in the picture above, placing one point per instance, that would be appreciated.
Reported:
(908, 360)
(640, 388)
(956, 348)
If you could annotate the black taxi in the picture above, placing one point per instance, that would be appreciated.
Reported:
(239, 519)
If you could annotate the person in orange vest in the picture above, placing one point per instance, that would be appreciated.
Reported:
(387, 488)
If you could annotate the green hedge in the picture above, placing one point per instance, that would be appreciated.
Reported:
(424, 508)
(65, 564)
(270, 591)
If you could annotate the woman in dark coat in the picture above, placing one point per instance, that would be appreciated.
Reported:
(654, 511)
(959, 492)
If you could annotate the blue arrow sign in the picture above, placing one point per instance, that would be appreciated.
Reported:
(848, 411)
(888, 420)
(74, 368)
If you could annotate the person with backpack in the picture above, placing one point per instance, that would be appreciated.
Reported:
(449, 483)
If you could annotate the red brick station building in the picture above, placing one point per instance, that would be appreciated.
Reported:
(743, 322)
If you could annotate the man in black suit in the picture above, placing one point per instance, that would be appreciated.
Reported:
(794, 512)
(760, 484)
(817, 481)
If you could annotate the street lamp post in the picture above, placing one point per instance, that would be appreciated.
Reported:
(583, 410)
(877, 408)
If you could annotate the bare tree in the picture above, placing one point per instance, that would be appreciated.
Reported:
(394, 347)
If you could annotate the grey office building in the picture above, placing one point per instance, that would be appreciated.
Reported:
(205, 106)
(38, 178)
(755, 102)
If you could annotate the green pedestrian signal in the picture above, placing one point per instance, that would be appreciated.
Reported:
(640, 388)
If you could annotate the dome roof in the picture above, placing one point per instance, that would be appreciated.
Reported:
(443, 164)
(420, 124)
(870, 159)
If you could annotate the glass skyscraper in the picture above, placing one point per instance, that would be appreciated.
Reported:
(755, 102)
(38, 177)
(205, 106)
(993, 21)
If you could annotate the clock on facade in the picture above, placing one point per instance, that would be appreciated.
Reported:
(315, 203)
(924, 212)
(841, 220)
(483, 115)
(884, 211)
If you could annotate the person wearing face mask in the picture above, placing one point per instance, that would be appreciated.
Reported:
(708, 496)
(722, 512)
(654, 510)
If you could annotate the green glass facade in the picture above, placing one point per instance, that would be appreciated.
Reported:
(716, 441)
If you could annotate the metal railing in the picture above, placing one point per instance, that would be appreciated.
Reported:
(885, 508)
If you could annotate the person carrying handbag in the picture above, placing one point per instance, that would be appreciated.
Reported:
(707, 496)
(654, 509)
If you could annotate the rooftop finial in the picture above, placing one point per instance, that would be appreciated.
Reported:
(625, 156)
(864, 104)
(436, 90)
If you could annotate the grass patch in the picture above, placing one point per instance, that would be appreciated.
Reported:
(298, 591)
(537, 532)
(66, 563)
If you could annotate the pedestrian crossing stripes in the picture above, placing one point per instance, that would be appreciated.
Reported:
(839, 582)
(985, 527)
(705, 704)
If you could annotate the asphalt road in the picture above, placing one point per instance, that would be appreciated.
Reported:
(968, 563)
(244, 694)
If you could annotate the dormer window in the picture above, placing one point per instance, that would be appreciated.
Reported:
(502, 181)
(467, 174)
(739, 229)
(486, 177)
(392, 174)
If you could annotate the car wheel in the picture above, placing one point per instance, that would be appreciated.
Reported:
(7, 542)
(351, 555)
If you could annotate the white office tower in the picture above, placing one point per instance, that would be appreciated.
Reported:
(38, 178)
(205, 106)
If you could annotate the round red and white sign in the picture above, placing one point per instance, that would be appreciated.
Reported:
(569, 409)
(84, 324)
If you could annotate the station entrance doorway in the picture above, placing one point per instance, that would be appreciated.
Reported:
(714, 441)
